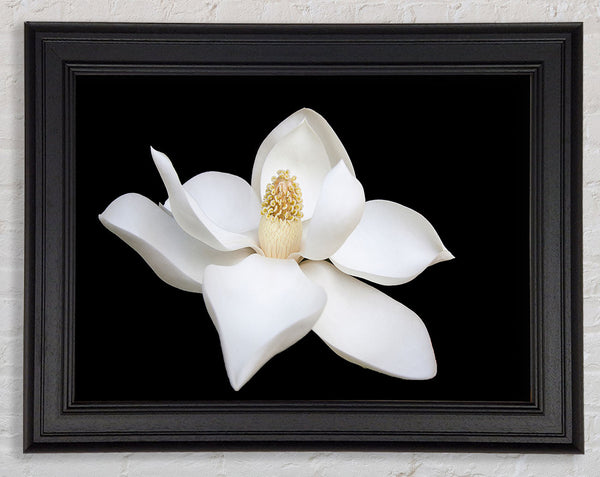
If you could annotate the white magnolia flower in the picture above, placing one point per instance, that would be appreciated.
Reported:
(264, 278)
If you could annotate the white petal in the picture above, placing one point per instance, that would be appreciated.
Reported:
(369, 328)
(237, 208)
(339, 209)
(191, 217)
(305, 144)
(391, 245)
(260, 307)
(175, 256)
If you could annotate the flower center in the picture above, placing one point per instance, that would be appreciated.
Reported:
(280, 229)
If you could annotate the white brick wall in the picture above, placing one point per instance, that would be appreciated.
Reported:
(285, 464)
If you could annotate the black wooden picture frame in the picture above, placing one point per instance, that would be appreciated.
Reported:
(89, 91)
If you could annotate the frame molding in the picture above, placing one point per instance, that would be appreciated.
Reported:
(551, 54)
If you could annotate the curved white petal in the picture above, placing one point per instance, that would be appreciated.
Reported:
(338, 211)
(369, 328)
(391, 245)
(305, 144)
(226, 199)
(260, 307)
(190, 216)
(176, 257)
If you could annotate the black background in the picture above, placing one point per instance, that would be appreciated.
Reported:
(454, 148)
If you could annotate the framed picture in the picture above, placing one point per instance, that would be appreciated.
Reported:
(477, 127)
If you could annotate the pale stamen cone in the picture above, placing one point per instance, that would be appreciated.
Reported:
(280, 229)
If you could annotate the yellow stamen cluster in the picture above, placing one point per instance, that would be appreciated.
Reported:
(283, 198)
(280, 228)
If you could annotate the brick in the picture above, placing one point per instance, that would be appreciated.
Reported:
(11, 316)
(77, 465)
(187, 464)
(11, 359)
(11, 48)
(11, 282)
(591, 313)
(591, 129)
(591, 53)
(11, 166)
(11, 199)
(10, 394)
